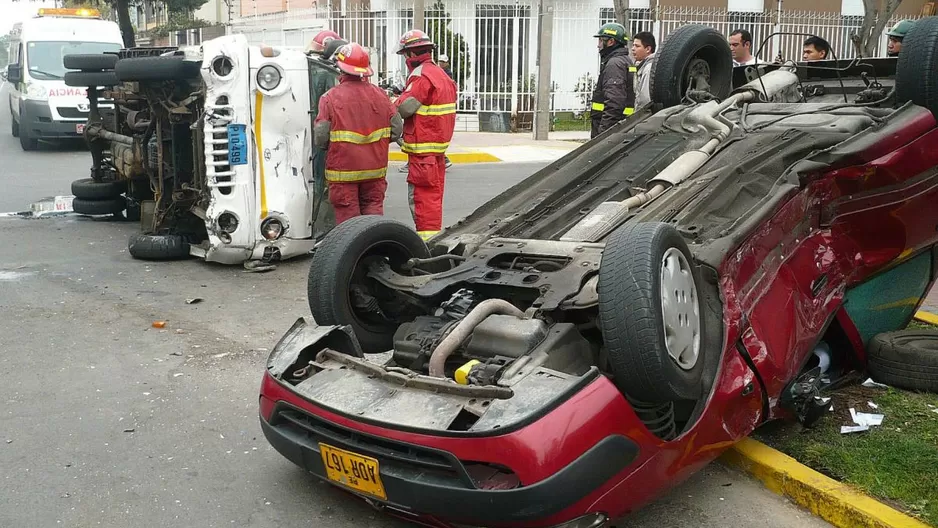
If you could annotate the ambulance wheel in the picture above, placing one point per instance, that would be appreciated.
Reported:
(105, 206)
(694, 57)
(156, 69)
(341, 293)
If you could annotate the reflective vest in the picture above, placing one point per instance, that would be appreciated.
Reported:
(430, 130)
(360, 136)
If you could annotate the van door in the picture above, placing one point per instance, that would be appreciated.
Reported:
(17, 87)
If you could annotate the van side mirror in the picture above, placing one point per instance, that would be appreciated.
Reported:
(14, 73)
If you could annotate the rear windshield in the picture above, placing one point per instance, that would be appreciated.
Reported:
(45, 58)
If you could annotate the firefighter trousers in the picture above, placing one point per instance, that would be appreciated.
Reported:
(351, 199)
(425, 177)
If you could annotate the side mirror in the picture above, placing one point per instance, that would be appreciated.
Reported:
(14, 73)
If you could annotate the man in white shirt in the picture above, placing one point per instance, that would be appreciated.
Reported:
(741, 46)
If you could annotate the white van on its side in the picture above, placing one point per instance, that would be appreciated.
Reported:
(43, 107)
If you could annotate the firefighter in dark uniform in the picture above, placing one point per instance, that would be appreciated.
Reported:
(614, 96)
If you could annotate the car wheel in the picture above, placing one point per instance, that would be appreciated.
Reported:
(917, 67)
(88, 189)
(907, 359)
(156, 69)
(90, 62)
(689, 55)
(14, 126)
(90, 79)
(340, 293)
(650, 313)
(107, 206)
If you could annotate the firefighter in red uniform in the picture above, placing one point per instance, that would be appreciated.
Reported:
(428, 106)
(355, 125)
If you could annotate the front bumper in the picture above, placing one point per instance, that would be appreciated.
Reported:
(36, 118)
(416, 490)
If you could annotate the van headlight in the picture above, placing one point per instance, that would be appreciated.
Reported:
(272, 228)
(268, 77)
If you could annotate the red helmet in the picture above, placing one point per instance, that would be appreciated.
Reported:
(321, 39)
(414, 39)
(354, 60)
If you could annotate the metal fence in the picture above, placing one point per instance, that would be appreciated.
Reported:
(492, 44)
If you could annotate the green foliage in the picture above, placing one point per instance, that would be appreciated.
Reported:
(178, 22)
(448, 42)
(103, 7)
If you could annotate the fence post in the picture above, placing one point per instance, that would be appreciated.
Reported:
(418, 15)
(542, 107)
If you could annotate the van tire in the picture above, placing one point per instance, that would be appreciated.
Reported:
(90, 79)
(27, 143)
(88, 189)
(172, 68)
(14, 126)
(90, 62)
(147, 246)
(108, 206)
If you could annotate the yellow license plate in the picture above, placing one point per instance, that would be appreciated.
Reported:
(354, 471)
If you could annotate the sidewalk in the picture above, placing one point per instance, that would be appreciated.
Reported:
(489, 147)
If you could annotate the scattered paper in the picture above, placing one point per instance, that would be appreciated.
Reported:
(872, 384)
(873, 405)
(845, 429)
(866, 419)
(194, 300)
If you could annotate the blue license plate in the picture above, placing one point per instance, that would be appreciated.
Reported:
(237, 145)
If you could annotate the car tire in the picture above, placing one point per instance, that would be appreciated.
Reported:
(90, 79)
(686, 49)
(149, 246)
(14, 127)
(917, 67)
(173, 68)
(632, 318)
(88, 189)
(108, 206)
(907, 359)
(90, 62)
(339, 261)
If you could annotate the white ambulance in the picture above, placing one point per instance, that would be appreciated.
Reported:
(43, 107)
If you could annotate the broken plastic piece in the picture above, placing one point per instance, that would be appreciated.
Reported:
(159, 324)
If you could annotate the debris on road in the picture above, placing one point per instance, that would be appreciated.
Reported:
(195, 300)
(869, 383)
(159, 324)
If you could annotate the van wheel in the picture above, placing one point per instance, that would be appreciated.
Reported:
(156, 69)
(148, 246)
(107, 206)
(88, 189)
(90, 79)
(14, 126)
(90, 62)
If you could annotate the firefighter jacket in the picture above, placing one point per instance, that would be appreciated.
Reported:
(428, 106)
(614, 95)
(355, 125)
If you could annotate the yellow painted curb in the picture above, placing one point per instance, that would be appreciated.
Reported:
(455, 157)
(830, 500)
(926, 317)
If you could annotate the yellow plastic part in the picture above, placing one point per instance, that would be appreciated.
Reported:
(462, 374)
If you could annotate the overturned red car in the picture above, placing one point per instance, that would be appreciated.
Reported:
(599, 332)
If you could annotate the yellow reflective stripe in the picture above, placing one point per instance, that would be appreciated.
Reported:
(426, 235)
(633, 69)
(425, 148)
(359, 175)
(348, 136)
(436, 110)
(599, 107)
(258, 104)
(628, 111)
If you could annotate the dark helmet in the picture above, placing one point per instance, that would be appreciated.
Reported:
(614, 31)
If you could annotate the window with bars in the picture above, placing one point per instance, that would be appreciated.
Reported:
(495, 40)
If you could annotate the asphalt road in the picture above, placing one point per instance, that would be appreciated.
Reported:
(110, 422)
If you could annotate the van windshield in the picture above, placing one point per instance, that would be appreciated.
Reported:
(45, 58)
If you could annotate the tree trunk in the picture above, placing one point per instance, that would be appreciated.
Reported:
(876, 15)
(123, 20)
(621, 8)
